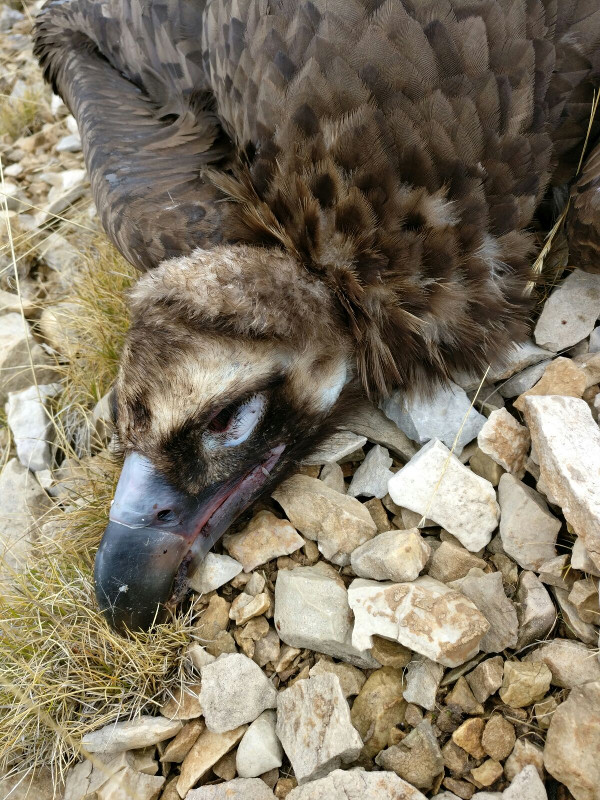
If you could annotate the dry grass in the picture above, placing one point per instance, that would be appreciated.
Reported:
(21, 116)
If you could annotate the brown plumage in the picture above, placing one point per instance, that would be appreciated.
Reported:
(332, 188)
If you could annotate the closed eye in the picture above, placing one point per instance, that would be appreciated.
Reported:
(234, 423)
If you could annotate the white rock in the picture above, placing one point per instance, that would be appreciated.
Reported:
(526, 786)
(18, 351)
(12, 195)
(311, 610)
(9, 17)
(486, 592)
(580, 559)
(237, 789)
(314, 727)
(527, 528)
(570, 313)
(22, 504)
(208, 748)
(132, 734)
(260, 750)
(199, 656)
(391, 556)
(337, 522)
(56, 103)
(559, 426)
(72, 178)
(127, 783)
(234, 691)
(265, 537)
(571, 663)
(505, 440)
(31, 424)
(423, 678)
(365, 419)
(338, 446)
(594, 338)
(213, 572)
(523, 381)
(371, 478)
(69, 144)
(425, 616)
(437, 417)
(435, 483)
(332, 475)
(60, 255)
(356, 784)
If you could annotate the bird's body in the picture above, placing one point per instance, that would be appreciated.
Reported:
(323, 192)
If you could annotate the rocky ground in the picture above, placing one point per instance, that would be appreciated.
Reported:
(414, 614)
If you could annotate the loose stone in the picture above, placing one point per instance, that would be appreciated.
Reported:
(527, 527)
(213, 572)
(356, 783)
(535, 610)
(264, 538)
(351, 679)
(417, 759)
(486, 678)
(505, 440)
(372, 477)
(524, 683)
(237, 789)
(423, 678)
(140, 732)
(206, 751)
(260, 749)
(571, 663)
(378, 709)
(393, 555)
(570, 313)
(487, 594)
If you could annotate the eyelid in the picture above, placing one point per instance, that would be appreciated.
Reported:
(248, 416)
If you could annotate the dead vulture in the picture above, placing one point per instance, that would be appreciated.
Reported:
(325, 195)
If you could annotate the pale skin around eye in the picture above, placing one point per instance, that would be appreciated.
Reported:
(244, 420)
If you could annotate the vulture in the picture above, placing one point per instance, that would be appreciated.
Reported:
(327, 199)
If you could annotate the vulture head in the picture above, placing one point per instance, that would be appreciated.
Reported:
(232, 371)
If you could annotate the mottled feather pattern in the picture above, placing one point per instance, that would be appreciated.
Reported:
(397, 150)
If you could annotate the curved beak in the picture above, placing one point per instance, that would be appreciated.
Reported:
(156, 535)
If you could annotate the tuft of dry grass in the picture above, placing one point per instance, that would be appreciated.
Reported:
(21, 116)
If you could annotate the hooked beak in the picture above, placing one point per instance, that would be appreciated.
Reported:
(156, 535)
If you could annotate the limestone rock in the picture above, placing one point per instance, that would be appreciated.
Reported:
(437, 417)
(183, 703)
(468, 737)
(199, 656)
(206, 751)
(372, 477)
(450, 562)
(336, 448)
(311, 610)
(140, 732)
(424, 615)
(213, 572)
(417, 759)
(314, 727)
(260, 749)
(522, 355)
(390, 654)
(423, 678)
(378, 708)
(524, 683)
(485, 467)
(558, 426)
(332, 475)
(573, 742)
(31, 425)
(180, 746)
(351, 679)
(571, 663)
(365, 419)
(527, 527)
(337, 522)
(22, 504)
(580, 559)
(486, 678)
(393, 555)
(524, 754)
(488, 773)
(356, 783)
(527, 785)
(246, 607)
(584, 596)
(237, 789)
(535, 610)
(264, 538)
(128, 783)
(561, 377)
(498, 738)
(582, 630)
(234, 690)
(524, 380)
(435, 483)
(570, 313)
(505, 440)
(461, 695)
(486, 592)
(22, 360)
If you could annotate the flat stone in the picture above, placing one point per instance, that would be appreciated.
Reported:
(234, 690)
(425, 616)
(584, 596)
(351, 679)
(23, 504)
(556, 573)
(486, 592)
(372, 476)
(561, 377)
(524, 683)
(213, 623)
(213, 572)
(264, 538)
(332, 475)
(450, 562)
(517, 359)
(183, 703)
(461, 695)
(356, 783)
(527, 785)
(180, 746)
(22, 360)
(311, 610)
(498, 738)
(580, 559)
(485, 467)
(39, 786)
(558, 426)
(468, 737)
(260, 750)
(535, 610)
(505, 440)
(571, 663)
(199, 656)
(390, 654)
(364, 419)
(132, 734)
(435, 484)
(69, 144)
(524, 754)
(378, 709)
(128, 783)
(439, 416)
(488, 773)
(582, 630)
(527, 528)
(267, 649)
(417, 759)
(523, 381)
(337, 522)
(423, 678)
(570, 313)
(573, 742)
(246, 606)
(336, 448)
(237, 789)
(206, 751)
(486, 678)
(393, 555)
(314, 727)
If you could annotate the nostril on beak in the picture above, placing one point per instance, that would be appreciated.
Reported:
(165, 515)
